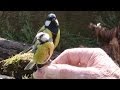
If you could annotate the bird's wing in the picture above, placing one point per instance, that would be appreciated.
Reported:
(41, 30)
(31, 64)
(31, 48)
(34, 40)
(50, 50)
(34, 48)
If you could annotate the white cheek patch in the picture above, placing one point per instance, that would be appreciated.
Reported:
(47, 23)
(39, 34)
(57, 22)
(45, 37)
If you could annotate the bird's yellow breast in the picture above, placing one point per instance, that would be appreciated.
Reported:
(57, 39)
(48, 32)
(43, 52)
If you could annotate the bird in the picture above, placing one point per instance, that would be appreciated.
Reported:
(43, 50)
(51, 26)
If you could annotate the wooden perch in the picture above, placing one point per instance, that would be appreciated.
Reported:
(9, 48)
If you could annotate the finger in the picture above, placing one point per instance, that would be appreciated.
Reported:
(46, 72)
(39, 74)
(62, 58)
(64, 71)
(79, 56)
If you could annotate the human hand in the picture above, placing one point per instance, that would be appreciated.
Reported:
(80, 63)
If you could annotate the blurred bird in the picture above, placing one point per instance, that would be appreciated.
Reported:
(43, 50)
(51, 26)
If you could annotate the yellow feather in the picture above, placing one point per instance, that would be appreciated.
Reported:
(43, 29)
(43, 53)
(57, 39)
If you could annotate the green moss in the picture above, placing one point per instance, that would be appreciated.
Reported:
(69, 40)
(17, 58)
(15, 65)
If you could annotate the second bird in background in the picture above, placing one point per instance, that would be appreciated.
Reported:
(51, 26)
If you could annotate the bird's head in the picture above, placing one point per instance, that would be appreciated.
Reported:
(51, 22)
(42, 37)
(51, 16)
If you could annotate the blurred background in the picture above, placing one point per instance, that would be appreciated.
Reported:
(22, 26)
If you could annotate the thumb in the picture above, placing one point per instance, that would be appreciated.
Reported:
(47, 72)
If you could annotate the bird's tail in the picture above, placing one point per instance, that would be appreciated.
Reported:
(29, 66)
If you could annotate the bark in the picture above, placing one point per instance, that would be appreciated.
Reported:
(9, 48)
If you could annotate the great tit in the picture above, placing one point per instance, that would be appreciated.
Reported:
(43, 50)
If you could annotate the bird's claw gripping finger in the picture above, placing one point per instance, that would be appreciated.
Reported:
(38, 66)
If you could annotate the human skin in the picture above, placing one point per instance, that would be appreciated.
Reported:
(80, 63)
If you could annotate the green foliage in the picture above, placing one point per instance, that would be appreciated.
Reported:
(108, 19)
(69, 40)
(27, 33)
(23, 32)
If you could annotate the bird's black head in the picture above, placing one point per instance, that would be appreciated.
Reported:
(51, 17)
(52, 23)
